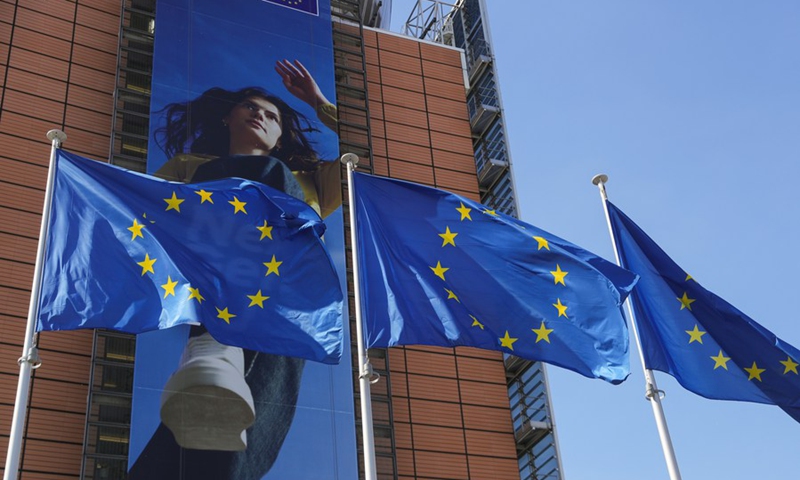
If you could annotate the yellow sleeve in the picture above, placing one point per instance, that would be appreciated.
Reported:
(328, 115)
(306, 181)
(328, 182)
(181, 168)
(322, 188)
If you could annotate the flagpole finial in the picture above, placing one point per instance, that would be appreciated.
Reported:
(57, 137)
(349, 158)
(599, 178)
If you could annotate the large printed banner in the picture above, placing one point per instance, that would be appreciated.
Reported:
(244, 88)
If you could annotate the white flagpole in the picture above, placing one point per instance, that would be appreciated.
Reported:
(30, 354)
(365, 375)
(652, 393)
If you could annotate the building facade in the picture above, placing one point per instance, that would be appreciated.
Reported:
(423, 109)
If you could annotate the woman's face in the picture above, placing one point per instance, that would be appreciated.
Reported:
(255, 127)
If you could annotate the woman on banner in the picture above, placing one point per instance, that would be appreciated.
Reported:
(225, 412)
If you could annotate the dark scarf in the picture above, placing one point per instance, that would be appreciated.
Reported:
(263, 169)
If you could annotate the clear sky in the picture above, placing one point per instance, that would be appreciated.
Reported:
(693, 110)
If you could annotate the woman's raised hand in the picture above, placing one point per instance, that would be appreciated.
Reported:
(299, 82)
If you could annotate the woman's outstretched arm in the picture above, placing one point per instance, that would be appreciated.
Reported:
(299, 82)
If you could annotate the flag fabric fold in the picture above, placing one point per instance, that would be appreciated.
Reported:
(134, 253)
(710, 347)
(439, 269)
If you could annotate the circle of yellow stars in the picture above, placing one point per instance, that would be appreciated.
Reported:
(559, 278)
(174, 203)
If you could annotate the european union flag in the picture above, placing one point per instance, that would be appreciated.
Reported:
(708, 345)
(134, 253)
(308, 6)
(439, 269)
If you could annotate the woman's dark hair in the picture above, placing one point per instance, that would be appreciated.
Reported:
(196, 127)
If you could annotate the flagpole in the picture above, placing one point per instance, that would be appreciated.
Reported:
(30, 354)
(652, 393)
(365, 375)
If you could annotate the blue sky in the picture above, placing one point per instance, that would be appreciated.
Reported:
(693, 110)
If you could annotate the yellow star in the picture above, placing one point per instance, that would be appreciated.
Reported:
(755, 372)
(562, 309)
(439, 270)
(238, 206)
(173, 203)
(508, 341)
(490, 212)
(476, 323)
(542, 243)
(542, 333)
(695, 335)
(452, 295)
(686, 302)
(225, 315)
(791, 365)
(204, 196)
(169, 287)
(195, 293)
(266, 231)
(257, 299)
(688, 277)
(448, 237)
(272, 266)
(720, 361)
(136, 230)
(558, 276)
(147, 264)
(464, 211)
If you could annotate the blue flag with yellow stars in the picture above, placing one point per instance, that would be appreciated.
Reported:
(709, 346)
(439, 269)
(134, 253)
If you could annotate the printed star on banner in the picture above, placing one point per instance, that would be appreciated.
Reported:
(272, 266)
(542, 243)
(147, 264)
(195, 294)
(136, 230)
(562, 309)
(464, 211)
(238, 206)
(448, 237)
(169, 287)
(686, 302)
(439, 270)
(204, 196)
(507, 341)
(558, 275)
(695, 335)
(542, 333)
(174, 203)
(257, 299)
(225, 315)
